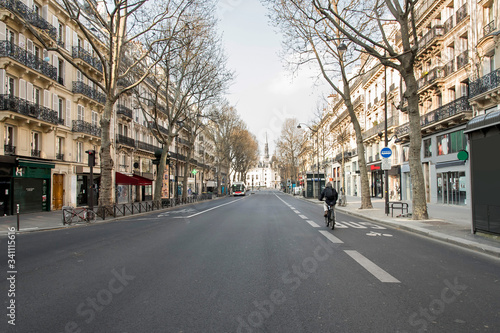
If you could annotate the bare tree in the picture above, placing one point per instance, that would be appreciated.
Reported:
(388, 15)
(288, 147)
(245, 152)
(311, 39)
(223, 122)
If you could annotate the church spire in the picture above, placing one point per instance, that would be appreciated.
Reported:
(266, 150)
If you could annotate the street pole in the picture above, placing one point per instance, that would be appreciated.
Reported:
(176, 193)
(386, 172)
(317, 159)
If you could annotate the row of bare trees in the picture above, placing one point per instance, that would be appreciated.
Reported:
(339, 35)
(168, 46)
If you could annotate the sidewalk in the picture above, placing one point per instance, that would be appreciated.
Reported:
(447, 223)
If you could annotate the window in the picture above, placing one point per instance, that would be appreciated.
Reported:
(35, 144)
(81, 112)
(79, 152)
(406, 150)
(60, 72)
(9, 139)
(95, 118)
(10, 86)
(59, 148)
(451, 143)
(36, 96)
(427, 148)
(60, 108)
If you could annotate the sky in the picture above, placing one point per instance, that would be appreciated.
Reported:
(264, 92)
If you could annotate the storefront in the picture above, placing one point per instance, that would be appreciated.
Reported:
(83, 185)
(31, 186)
(377, 180)
(130, 188)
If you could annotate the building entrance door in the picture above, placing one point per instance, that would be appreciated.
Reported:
(58, 191)
(451, 188)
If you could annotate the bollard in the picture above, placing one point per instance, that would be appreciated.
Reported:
(17, 217)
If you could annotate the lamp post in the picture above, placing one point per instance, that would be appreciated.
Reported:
(317, 155)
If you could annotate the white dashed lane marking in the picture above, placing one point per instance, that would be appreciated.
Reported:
(371, 267)
(313, 224)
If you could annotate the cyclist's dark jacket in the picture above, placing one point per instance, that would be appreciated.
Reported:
(330, 196)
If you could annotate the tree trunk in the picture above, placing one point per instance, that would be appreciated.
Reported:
(106, 193)
(161, 171)
(187, 170)
(419, 204)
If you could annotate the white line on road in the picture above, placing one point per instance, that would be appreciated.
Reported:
(227, 203)
(367, 264)
(303, 217)
(313, 224)
(331, 237)
(296, 211)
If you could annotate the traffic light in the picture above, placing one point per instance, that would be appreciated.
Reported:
(91, 157)
(158, 153)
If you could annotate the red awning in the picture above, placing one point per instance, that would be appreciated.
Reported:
(142, 180)
(123, 179)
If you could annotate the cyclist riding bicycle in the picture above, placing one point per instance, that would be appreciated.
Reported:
(330, 195)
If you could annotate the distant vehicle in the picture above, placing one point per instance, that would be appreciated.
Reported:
(297, 190)
(238, 188)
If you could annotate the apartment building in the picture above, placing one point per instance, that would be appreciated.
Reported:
(50, 116)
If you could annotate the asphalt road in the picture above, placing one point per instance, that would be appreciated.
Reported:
(261, 263)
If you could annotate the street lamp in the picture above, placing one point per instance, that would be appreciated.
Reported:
(317, 154)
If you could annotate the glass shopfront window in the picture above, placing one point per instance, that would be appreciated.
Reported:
(451, 143)
(451, 188)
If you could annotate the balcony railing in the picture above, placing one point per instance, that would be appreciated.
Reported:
(460, 105)
(22, 106)
(30, 15)
(8, 49)
(360, 99)
(462, 13)
(123, 110)
(81, 88)
(430, 36)
(35, 153)
(81, 126)
(462, 59)
(125, 140)
(81, 53)
(145, 146)
(392, 121)
(448, 25)
(431, 76)
(489, 28)
(484, 84)
(449, 68)
(9, 150)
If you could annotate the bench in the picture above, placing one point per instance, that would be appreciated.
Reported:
(397, 205)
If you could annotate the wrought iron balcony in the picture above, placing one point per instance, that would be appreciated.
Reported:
(145, 146)
(462, 13)
(448, 24)
(81, 53)
(430, 77)
(484, 84)
(125, 140)
(489, 28)
(30, 15)
(360, 99)
(430, 37)
(35, 153)
(81, 88)
(459, 106)
(392, 121)
(9, 150)
(462, 59)
(60, 80)
(8, 49)
(449, 68)
(81, 126)
(22, 106)
(123, 110)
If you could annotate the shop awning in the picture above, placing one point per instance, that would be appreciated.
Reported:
(35, 164)
(123, 179)
(143, 181)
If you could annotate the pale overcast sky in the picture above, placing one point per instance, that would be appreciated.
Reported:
(264, 92)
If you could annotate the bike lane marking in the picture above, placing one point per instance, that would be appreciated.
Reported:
(371, 267)
(207, 210)
(331, 237)
(313, 224)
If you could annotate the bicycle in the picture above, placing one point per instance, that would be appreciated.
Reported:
(330, 216)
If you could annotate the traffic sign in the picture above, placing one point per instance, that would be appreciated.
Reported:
(386, 152)
(386, 164)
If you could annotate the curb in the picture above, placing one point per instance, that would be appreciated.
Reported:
(107, 220)
(468, 244)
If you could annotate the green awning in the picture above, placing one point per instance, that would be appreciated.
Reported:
(37, 164)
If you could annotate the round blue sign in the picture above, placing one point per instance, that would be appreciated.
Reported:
(386, 152)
